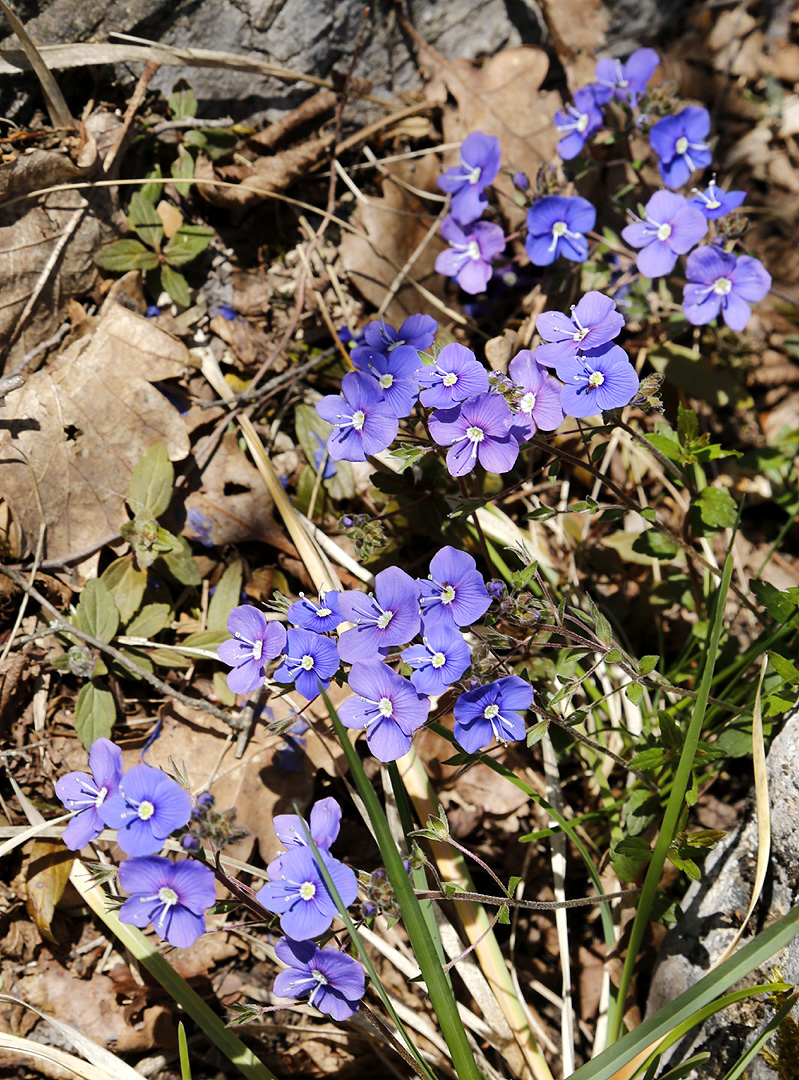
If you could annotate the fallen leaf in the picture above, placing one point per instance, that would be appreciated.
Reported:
(578, 29)
(48, 870)
(83, 423)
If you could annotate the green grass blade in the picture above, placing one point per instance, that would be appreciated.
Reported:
(762, 1039)
(183, 1050)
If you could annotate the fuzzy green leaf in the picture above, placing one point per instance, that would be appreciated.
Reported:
(717, 508)
(126, 255)
(152, 482)
(144, 220)
(95, 714)
(126, 583)
(97, 614)
(150, 621)
(173, 282)
(226, 596)
(187, 243)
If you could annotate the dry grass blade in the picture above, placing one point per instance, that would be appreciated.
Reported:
(60, 116)
(28, 834)
(29, 1048)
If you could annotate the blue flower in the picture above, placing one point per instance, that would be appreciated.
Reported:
(389, 617)
(472, 249)
(86, 794)
(363, 423)
(255, 640)
(492, 712)
(387, 705)
(479, 164)
(671, 227)
(310, 662)
(454, 593)
(679, 144)
(418, 332)
(555, 226)
(626, 82)
(594, 321)
(320, 616)
(714, 202)
(720, 282)
(172, 896)
(455, 376)
(147, 807)
(439, 661)
(539, 404)
(199, 526)
(395, 374)
(324, 827)
(297, 892)
(334, 981)
(597, 381)
(578, 123)
(477, 430)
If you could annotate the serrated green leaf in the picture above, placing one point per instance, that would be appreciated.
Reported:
(97, 614)
(717, 508)
(182, 170)
(150, 621)
(126, 584)
(152, 482)
(144, 220)
(667, 444)
(173, 282)
(187, 243)
(95, 713)
(613, 657)
(513, 885)
(687, 426)
(124, 255)
(226, 596)
(634, 692)
(503, 915)
(138, 658)
(180, 563)
(648, 760)
(603, 630)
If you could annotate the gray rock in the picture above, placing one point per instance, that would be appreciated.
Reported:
(713, 907)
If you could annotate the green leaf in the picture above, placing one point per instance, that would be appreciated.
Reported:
(687, 426)
(152, 192)
(648, 760)
(180, 563)
(144, 220)
(216, 142)
(666, 443)
(634, 692)
(173, 282)
(655, 545)
(182, 103)
(168, 659)
(150, 621)
(537, 732)
(503, 915)
(647, 664)
(776, 603)
(126, 584)
(717, 508)
(206, 639)
(152, 482)
(126, 255)
(784, 668)
(95, 713)
(138, 658)
(187, 243)
(603, 631)
(226, 596)
(97, 614)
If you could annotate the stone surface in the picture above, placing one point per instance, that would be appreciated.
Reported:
(713, 907)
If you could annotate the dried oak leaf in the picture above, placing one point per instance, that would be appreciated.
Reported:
(81, 425)
(578, 29)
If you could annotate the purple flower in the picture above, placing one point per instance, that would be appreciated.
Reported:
(395, 373)
(200, 526)
(492, 712)
(389, 617)
(578, 123)
(147, 807)
(442, 658)
(297, 892)
(539, 405)
(555, 226)
(324, 827)
(679, 144)
(671, 227)
(594, 321)
(521, 181)
(418, 331)
(84, 793)
(625, 82)
(477, 430)
(335, 982)
(714, 202)
(319, 456)
(320, 616)
(255, 640)
(171, 896)
(387, 706)
(454, 594)
(310, 662)
(472, 249)
(597, 382)
(720, 282)
(363, 423)
(455, 376)
(479, 164)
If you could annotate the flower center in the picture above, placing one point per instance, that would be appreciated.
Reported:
(167, 896)
(578, 335)
(490, 711)
(722, 286)
(475, 434)
(596, 378)
(527, 404)
(323, 612)
(472, 172)
(386, 381)
(438, 660)
(582, 123)
(257, 650)
(320, 978)
(307, 890)
(145, 810)
(450, 379)
(358, 419)
(101, 796)
(664, 231)
(473, 251)
(385, 706)
(681, 145)
(560, 228)
(447, 594)
(307, 662)
(384, 619)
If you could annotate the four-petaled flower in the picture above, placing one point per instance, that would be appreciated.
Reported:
(492, 712)
(539, 403)
(318, 615)
(597, 382)
(395, 373)
(334, 981)
(454, 594)
(386, 705)
(390, 617)
(442, 658)
(476, 430)
(84, 793)
(310, 662)
(418, 332)
(324, 826)
(578, 123)
(718, 282)
(671, 227)
(255, 640)
(715, 202)
(455, 376)
(679, 144)
(472, 249)
(147, 807)
(594, 321)
(555, 226)
(479, 164)
(626, 82)
(297, 892)
(171, 896)
(363, 422)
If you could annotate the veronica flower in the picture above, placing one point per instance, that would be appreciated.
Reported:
(626, 82)
(320, 616)
(454, 593)
(492, 712)
(386, 705)
(320, 455)
(479, 164)
(679, 144)
(297, 892)
(714, 202)
(363, 423)
(334, 981)
(172, 896)
(597, 382)
(455, 376)
(472, 249)
(395, 373)
(555, 226)
(84, 793)
(476, 430)
(418, 331)
(442, 658)
(578, 123)
(593, 322)
(389, 617)
(539, 404)
(671, 227)
(310, 662)
(255, 640)
(720, 282)
(147, 807)
(324, 827)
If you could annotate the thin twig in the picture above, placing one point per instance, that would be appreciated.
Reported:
(528, 905)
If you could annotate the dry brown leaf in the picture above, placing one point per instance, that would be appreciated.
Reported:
(310, 109)
(48, 870)
(578, 29)
(275, 173)
(83, 423)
